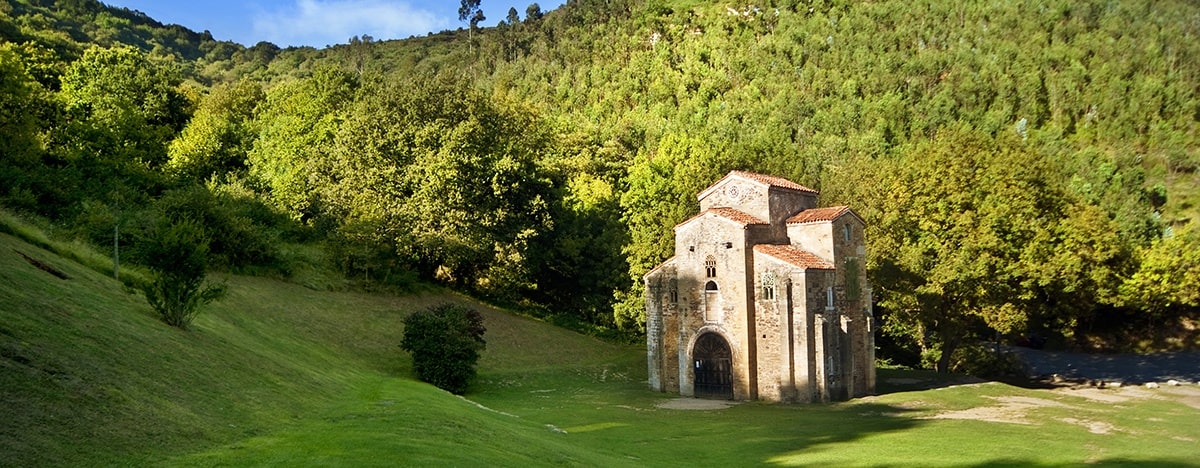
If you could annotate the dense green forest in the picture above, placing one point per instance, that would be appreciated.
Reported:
(1023, 167)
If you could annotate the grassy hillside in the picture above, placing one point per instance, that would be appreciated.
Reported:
(90, 376)
(282, 375)
(597, 124)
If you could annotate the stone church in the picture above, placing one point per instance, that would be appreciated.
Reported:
(766, 298)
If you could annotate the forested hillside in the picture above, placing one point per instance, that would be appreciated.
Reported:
(1023, 167)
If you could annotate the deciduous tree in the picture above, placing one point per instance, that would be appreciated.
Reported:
(220, 135)
(126, 106)
(296, 127)
(446, 175)
(661, 193)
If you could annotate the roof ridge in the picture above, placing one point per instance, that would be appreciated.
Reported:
(730, 213)
(794, 255)
(771, 180)
(812, 215)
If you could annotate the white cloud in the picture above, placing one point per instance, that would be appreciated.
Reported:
(319, 23)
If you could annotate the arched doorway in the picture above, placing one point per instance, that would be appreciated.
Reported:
(713, 365)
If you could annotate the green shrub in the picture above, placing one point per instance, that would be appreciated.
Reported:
(986, 362)
(445, 341)
(367, 260)
(177, 255)
(238, 240)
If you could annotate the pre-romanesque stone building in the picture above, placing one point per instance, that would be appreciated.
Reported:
(766, 298)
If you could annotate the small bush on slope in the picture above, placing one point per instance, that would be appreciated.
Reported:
(177, 255)
(445, 341)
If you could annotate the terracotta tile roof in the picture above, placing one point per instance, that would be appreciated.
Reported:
(818, 214)
(737, 216)
(795, 256)
(772, 180)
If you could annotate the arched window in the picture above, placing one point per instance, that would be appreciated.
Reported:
(673, 291)
(712, 301)
(768, 285)
(710, 267)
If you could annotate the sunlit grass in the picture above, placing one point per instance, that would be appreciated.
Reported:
(280, 374)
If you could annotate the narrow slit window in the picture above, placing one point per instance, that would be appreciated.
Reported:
(712, 301)
(829, 298)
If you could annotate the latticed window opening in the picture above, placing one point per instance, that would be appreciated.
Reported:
(710, 267)
(768, 285)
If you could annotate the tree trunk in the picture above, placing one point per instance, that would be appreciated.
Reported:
(949, 345)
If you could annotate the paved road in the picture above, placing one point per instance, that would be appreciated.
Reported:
(1125, 368)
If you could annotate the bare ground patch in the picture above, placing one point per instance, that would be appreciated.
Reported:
(1107, 395)
(695, 404)
(1095, 427)
(1188, 395)
(1010, 410)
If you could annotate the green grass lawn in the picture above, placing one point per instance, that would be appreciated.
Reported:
(277, 374)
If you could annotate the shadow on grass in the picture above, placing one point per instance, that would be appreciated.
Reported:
(1159, 463)
(626, 420)
(821, 431)
(743, 434)
(905, 380)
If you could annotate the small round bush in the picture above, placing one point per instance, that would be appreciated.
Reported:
(445, 341)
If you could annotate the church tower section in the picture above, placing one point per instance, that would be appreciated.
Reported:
(765, 298)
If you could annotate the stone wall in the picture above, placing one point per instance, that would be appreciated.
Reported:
(812, 341)
(725, 242)
(773, 335)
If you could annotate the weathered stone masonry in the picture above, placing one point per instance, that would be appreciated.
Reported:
(765, 298)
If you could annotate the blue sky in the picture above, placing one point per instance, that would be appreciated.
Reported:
(318, 23)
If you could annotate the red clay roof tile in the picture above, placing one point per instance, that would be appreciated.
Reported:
(772, 180)
(759, 178)
(795, 256)
(737, 216)
(818, 214)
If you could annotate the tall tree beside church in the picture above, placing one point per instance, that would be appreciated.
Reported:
(446, 176)
(662, 193)
(946, 255)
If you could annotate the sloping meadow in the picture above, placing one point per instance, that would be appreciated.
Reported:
(279, 374)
